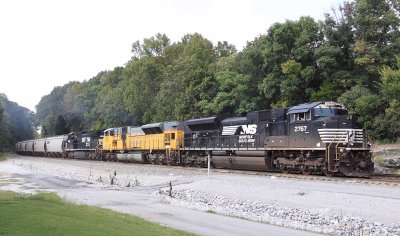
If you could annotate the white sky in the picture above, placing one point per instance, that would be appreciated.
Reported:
(46, 43)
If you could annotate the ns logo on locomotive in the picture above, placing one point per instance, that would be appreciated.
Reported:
(318, 138)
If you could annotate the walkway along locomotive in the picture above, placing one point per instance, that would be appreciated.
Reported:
(318, 137)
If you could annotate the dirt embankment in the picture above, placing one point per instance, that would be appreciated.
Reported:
(387, 158)
(377, 148)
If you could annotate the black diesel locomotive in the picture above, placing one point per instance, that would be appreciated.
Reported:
(82, 145)
(318, 138)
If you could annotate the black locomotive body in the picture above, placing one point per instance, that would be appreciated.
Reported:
(317, 137)
(82, 145)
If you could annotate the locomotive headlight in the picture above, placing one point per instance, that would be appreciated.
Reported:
(341, 150)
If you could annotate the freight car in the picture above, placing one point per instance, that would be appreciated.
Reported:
(318, 138)
(51, 147)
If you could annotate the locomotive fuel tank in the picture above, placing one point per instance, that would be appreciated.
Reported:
(135, 157)
(243, 160)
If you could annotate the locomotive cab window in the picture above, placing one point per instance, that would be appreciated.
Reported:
(329, 109)
(173, 136)
(325, 112)
(308, 115)
(108, 133)
(303, 116)
(124, 130)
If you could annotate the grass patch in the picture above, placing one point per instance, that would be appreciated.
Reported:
(48, 214)
(379, 159)
(3, 156)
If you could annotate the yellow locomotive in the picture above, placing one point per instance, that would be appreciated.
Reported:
(157, 143)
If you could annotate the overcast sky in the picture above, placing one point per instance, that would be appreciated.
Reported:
(48, 43)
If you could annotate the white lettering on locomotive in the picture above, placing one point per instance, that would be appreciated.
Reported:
(85, 139)
(244, 129)
(249, 129)
(246, 139)
(301, 128)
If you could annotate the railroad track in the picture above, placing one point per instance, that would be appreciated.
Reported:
(389, 178)
(385, 179)
(378, 179)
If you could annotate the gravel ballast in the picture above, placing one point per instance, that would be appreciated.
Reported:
(315, 221)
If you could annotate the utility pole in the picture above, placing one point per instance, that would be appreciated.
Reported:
(208, 163)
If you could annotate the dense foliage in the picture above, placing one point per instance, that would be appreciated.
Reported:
(16, 123)
(350, 56)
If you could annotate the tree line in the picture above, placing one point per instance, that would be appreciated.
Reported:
(351, 56)
(16, 123)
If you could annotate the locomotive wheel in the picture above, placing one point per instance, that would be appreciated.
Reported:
(329, 173)
(306, 172)
(199, 164)
(285, 171)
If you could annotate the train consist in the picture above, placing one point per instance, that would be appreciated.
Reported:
(318, 138)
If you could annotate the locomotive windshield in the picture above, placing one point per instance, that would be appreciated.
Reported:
(325, 110)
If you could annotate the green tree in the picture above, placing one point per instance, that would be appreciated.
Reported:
(291, 73)
(85, 103)
(187, 80)
(231, 98)
(60, 126)
(224, 49)
(377, 34)
(250, 62)
(16, 123)
(390, 91)
(144, 79)
(151, 47)
(335, 57)
(49, 107)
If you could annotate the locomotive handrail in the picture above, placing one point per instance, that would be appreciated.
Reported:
(329, 154)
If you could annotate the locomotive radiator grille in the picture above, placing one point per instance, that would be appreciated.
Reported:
(341, 135)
